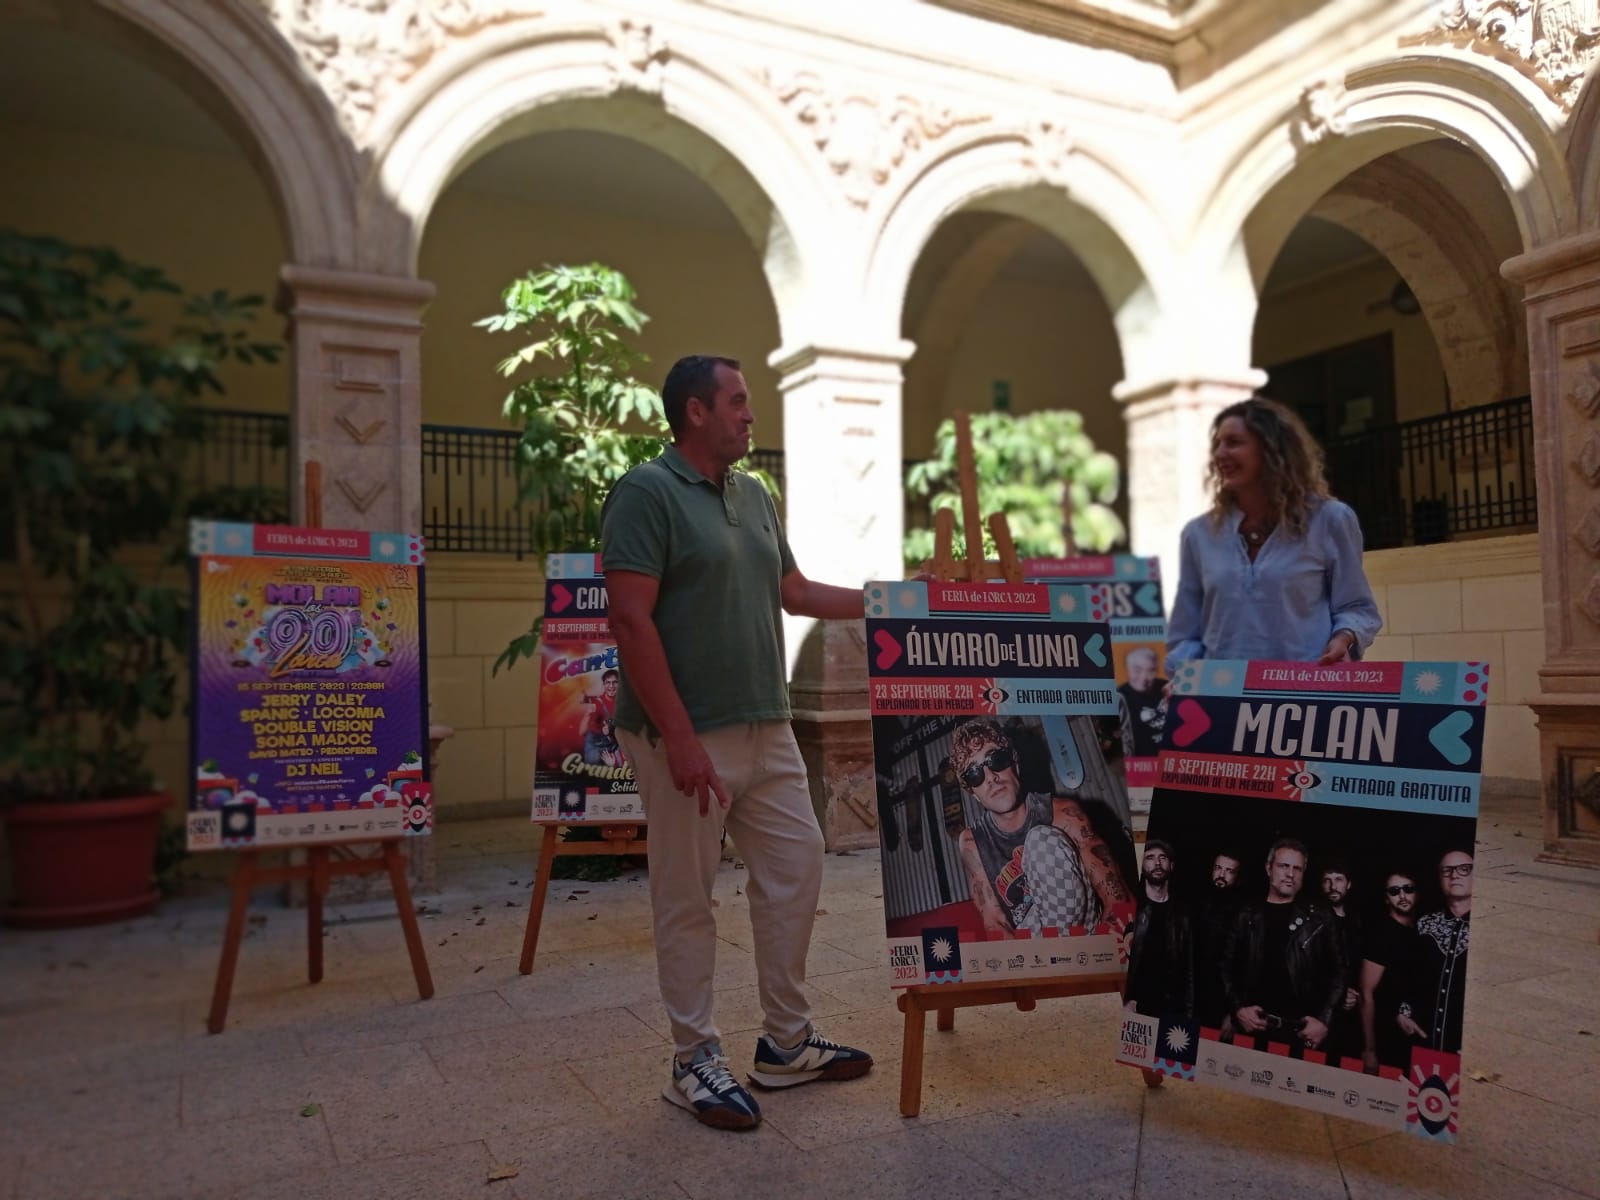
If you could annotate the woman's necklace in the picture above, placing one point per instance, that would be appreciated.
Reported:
(1254, 536)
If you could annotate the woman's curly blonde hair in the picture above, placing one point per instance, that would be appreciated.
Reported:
(1291, 463)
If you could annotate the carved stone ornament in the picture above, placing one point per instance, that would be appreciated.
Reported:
(864, 136)
(1321, 114)
(1588, 533)
(1049, 145)
(1553, 42)
(1588, 460)
(361, 51)
(1584, 391)
(638, 57)
(1590, 602)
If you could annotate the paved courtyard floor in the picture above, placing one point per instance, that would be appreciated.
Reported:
(111, 1088)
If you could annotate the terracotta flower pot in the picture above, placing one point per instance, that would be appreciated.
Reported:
(82, 864)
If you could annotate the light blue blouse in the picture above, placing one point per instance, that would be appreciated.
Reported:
(1285, 605)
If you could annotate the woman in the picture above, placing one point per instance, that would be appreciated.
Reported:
(1273, 571)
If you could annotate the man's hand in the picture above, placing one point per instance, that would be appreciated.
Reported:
(692, 771)
(1251, 1019)
(1338, 648)
(1409, 1027)
(1351, 998)
(1313, 1032)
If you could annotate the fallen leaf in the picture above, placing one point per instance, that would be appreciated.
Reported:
(1484, 1076)
(513, 883)
(481, 921)
(477, 908)
(311, 1110)
(503, 1171)
(593, 917)
(446, 941)
(475, 970)
(580, 891)
(511, 904)
(822, 912)
(1585, 1033)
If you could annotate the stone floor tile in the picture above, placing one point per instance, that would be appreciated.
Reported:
(1530, 1135)
(626, 1080)
(386, 1023)
(415, 1117)
(178, 1163)
(172, 1056)
(292, 1084)
(1534, 1068)
(10, 1170)
(907, 1162)
(1047, 1145)
(1398, 1167)
(440, 1174)
(289, 1004)
(536, 1044)
(640, 1153)
(72, 1110)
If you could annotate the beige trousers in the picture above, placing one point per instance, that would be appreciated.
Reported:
(770, 817)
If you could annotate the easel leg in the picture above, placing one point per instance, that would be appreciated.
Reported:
(1152, 1079)
(316, 889)
(946, 1020)
(911, 1057)
(243, 878)
(396, 863)
(548, 838)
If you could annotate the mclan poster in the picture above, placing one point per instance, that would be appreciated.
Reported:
(1306, 900)
(581, 773)
(1006, 841)
(1139, 650)
(310, 684)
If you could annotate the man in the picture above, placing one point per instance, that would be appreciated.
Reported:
(697, 569)
(1431, 1012)
(1283, 965)
(1218, 907)
(1345, 1037)
(1385, 959)
(600, 746)
(1142, 705)
(1033, 861)
(1161, 958)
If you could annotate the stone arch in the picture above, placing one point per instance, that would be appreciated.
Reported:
(1066, 191)
(504, 85)
(1583, 152)
(1438, 248)
(1338, 126)
(249, 78)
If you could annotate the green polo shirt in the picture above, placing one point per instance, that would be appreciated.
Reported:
(720, 555)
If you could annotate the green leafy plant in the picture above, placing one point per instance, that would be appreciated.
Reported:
(586, 421)
(101, 360)
(1025, 465)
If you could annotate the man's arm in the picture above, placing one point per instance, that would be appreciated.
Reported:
(994, 916)
(1371, 977)
(804, 597)
(1094, 856)
(632, 616)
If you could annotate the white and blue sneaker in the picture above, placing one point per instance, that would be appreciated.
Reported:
(705, 1087)
(815, 1058)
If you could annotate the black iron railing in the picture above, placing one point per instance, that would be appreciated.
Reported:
(1442, 477)
(1431, 480)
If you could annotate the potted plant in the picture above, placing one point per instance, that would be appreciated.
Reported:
(101, 361)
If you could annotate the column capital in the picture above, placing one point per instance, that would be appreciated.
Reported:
(353, 297)
(1210, 385)
(1539, 268)
(878, 363)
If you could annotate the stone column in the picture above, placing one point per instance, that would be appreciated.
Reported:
(355, 342)
(1169, 443)
(843, 499)
(1562, 283)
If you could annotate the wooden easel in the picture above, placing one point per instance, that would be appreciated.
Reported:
(616, 838)
(943, 999)
(322, 864)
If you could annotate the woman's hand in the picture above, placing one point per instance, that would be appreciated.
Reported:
(1338, 648)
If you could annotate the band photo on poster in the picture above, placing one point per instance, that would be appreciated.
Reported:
(1305, 902)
